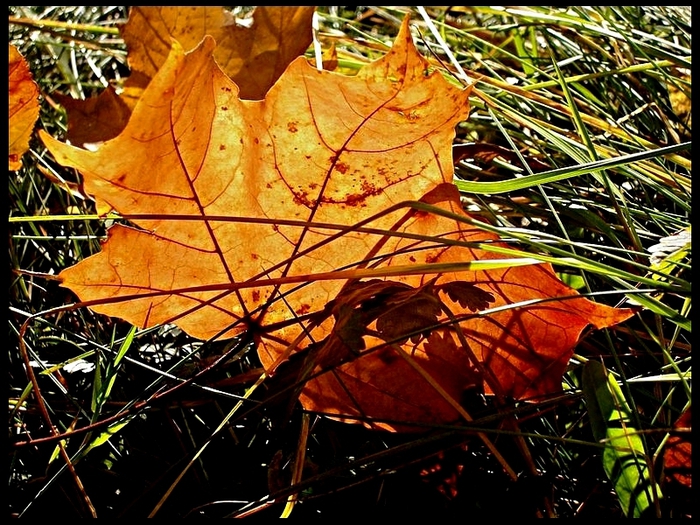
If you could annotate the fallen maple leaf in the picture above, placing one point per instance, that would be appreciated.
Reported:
(253, 56)
(264, 216)
(321, 147)
(24, 107)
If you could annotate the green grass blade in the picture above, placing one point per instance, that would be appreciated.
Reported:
(624, 455)
(106, 435)
(546, 177)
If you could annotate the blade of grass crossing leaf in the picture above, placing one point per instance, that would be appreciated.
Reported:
(614, 274)
(624, 455)
(575, 261)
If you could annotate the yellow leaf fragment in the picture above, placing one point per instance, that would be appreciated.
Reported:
(24, 107)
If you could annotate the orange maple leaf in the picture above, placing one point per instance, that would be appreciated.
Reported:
(265, 216)
(24, 107)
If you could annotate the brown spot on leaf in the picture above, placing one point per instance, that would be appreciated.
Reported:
(355, 199)
(431, 258)
(370, 189)
(303, 309)
(302, 197)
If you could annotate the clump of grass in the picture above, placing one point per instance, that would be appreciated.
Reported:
(577, 150)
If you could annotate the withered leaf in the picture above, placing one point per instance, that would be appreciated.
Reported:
(253, 57)
(409, 314)
(468, 295)
(96, 119)
(677, 457)
(24, 107)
